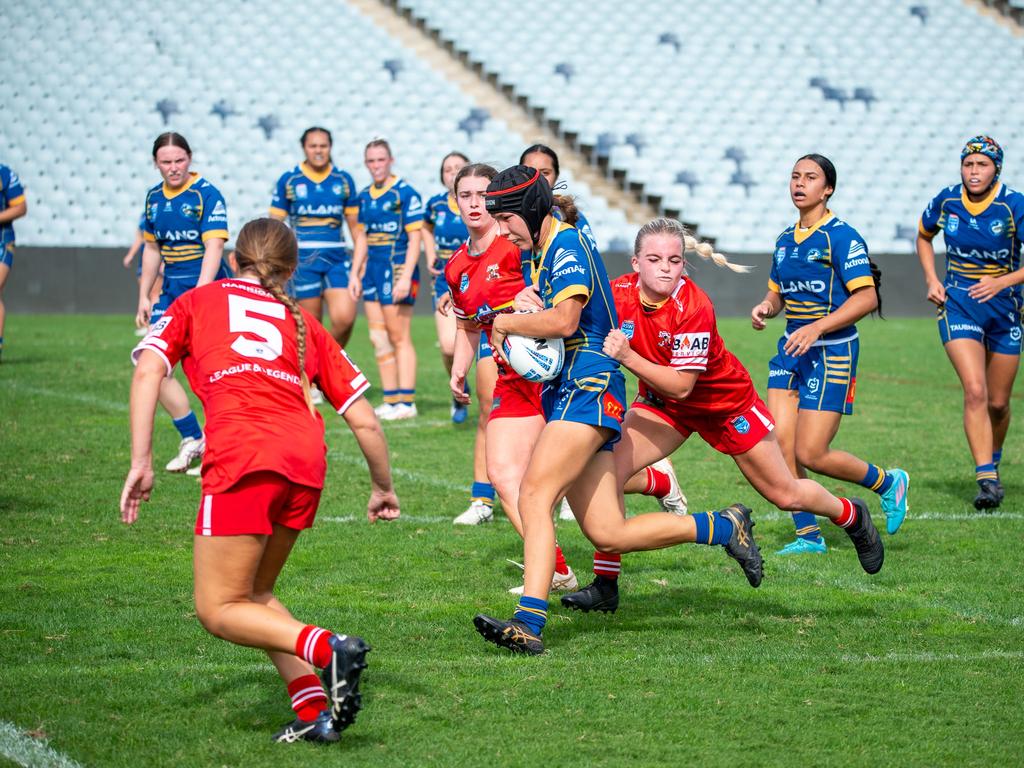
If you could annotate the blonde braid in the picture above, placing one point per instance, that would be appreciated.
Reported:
(667, 226)
(706, 251)
(271, 286)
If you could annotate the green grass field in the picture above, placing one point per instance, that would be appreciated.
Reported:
(101, 653)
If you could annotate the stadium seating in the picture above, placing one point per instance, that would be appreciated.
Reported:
(88, 85)
(705, 105)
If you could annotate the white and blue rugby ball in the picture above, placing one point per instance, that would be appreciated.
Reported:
(534, 359)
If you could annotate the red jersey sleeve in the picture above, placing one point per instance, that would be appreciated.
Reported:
(453, 276)
(691, 340)
(338, 377)
(170, 335)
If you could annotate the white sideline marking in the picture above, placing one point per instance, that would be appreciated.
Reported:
(404, 518)
(416, 477)
(75, 397)
(18, 746)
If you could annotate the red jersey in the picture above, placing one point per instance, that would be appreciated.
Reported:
(485, 285)
(682, 333)
(237, 346)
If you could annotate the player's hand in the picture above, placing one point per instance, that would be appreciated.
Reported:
(528, 300)
(986, 288)
(355, 287)
(457, 384)
(129, 257)
(936, 293)
(616, 345)
(137, 487)
(143, 314)
(759, 314)
(801, 340)
(444, 303)
(497, 338)
(383, 505)
(434, 270)
(401, 289)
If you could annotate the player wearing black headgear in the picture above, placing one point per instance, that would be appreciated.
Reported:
(526, 193)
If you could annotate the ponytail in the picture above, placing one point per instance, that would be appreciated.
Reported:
(566, 204)
(666, 226)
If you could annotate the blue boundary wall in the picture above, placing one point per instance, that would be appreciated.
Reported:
(92, 281)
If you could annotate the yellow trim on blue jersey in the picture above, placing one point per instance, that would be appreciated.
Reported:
(148, 237)
(275, 210)
(16, 201)
(976, 209)
(353, 209)
(312, 175)
(567, 293)
(376, 191)
(926, 232)
(773, 286)
(801, 235)
(221, 233)
(193, 178)
(414, 226)
(453, 205)
(860, 282)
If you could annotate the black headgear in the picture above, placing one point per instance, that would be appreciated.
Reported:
(523, 191)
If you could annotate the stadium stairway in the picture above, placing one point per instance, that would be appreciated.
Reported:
(429, 44)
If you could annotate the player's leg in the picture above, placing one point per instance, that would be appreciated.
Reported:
(510, 443)
(398, 325)
(6, 257)
(341, 307)
(968, 359)
(1000, 373)
(445, 327)
(481, 500)
(765, 468)
(646, 439)
(191, 446)
(384, 352)
(826, 395)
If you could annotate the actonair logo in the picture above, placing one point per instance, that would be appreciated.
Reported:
(562, 258)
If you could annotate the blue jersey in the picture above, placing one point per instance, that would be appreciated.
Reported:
(181, 222)
(449, 230)
(982, 239)
(11, 194)
(316, 204)
(566, 266)
(816, 270)
(388, 214)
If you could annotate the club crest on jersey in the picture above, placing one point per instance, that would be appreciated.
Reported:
(336, 189)
(301, 191)
(996, 227)
(952, 223)
(492, 272)
(463, 283)
(627, 328)
(189, 211)
(816, 255)
(664, 339)
(741, 425)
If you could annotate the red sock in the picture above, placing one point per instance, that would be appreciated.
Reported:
(308, 697)
(561, 566)
(607, 565)
(848, 516)
(658, 483)
(312, 646)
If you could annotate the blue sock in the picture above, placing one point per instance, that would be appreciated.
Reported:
(806, 526)
(877, 479)
(533, 612)
(712, 528)
(997, 456)
(482, 492)
(985, 472)
(188, 426)
(407, 396)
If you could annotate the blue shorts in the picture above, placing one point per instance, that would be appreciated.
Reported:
(996, 323)
(598, 400)
(380, 278)
(825, 377)
(484, 351)
(319, 270)
(7, 255)
(177, 282)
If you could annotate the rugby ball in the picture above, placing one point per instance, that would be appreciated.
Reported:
(534, 359)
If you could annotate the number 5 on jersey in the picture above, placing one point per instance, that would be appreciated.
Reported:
(240, 319)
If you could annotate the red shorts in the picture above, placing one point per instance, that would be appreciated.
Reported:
(732, 435)
(254, 504)
(515, 398)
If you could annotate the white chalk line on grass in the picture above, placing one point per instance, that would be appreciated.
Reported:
(405, 474)
(74, 397)
(19, 747)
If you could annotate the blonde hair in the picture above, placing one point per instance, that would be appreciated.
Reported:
(268, 248)
(666, 226)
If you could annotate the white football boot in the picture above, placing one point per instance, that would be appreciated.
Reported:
(674, 501)
(189, 450)
(475, 514)
(560, 582)
(401, 412)
(316, 395)
(565, 511)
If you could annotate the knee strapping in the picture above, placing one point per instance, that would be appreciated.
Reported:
(382, 346)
